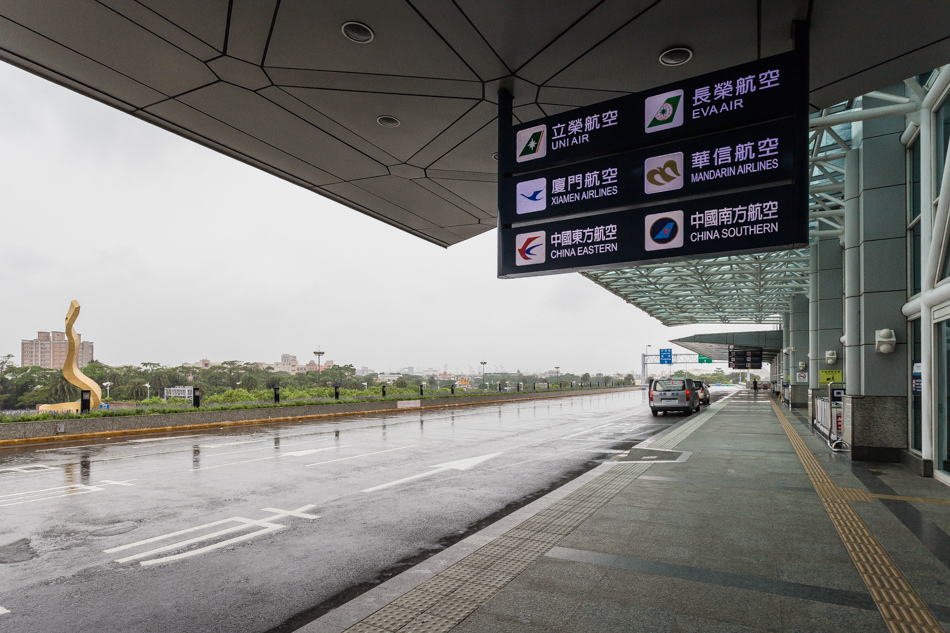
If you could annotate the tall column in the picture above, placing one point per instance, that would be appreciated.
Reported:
(798, 358)
(876, 400)
(826, 309)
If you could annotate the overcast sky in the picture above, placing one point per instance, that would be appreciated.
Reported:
(178, 253)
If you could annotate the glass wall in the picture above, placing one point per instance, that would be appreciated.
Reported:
(942, 349)
(916, 375)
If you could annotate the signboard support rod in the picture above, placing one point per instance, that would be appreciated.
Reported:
(505, 101)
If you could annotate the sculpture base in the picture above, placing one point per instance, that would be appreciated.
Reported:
(62, 407)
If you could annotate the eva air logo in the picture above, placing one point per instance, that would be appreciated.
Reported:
(663, 111)
(532, 143)
(663, 173)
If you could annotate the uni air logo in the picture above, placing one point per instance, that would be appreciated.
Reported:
(663, 173)
(663, 231)
(531, 143)
(529, 248)
(663, 111)
(531, 196)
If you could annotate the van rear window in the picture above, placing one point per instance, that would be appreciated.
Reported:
(671, 385)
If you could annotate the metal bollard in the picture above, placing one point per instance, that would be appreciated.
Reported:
(276, 395)
(196, 397)
(336, 393)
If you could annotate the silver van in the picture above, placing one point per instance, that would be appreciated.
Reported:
(673, 394)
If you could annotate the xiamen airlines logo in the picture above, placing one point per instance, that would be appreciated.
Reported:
(663, 173)
(529, 248)
(663, 111)
(532, 195)
(663, 230)
(531, 143)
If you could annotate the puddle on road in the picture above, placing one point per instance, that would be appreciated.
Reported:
(16, 552)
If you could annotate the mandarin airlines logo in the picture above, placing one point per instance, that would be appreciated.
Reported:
(663, 173)
(532, 196)
(529, 248)
(531, 143)
(663, 111)
(663, 231)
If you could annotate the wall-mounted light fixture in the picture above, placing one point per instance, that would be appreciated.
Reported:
(831, 357)
(885, 342)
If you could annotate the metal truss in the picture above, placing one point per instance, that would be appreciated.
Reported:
(757, 288)
(738, 289)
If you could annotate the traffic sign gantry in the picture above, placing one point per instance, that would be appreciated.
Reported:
(715, 164)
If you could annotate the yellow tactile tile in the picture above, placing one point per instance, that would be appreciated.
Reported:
(900, 606)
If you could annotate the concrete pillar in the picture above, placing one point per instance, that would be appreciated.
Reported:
(798, 357)
(876, 407)
(826, 310)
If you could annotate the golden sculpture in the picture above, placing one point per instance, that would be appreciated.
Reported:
(71, 369)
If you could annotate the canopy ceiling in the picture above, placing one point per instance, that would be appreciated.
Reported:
(276, 84)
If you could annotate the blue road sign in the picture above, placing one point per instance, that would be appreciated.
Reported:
(666, 356)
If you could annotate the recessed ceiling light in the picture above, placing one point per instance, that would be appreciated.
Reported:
(357, 32)
(676, 56)
(387, 121)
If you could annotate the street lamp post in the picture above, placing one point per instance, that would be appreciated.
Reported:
(319, 355)
(108, 386)
(643, 364)
(557, 376)
(484, 362)
(148, 392)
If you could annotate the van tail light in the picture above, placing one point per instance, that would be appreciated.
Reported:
(687, 393)
(651, 395)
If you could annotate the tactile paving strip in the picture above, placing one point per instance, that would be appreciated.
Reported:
(900, 606)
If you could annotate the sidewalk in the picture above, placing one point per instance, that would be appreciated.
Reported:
(736, 519)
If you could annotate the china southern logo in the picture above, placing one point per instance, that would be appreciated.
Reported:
(663, 173)
(663, 230)
(531, 143)
(532, 195)
(663, 111)
(529, 248)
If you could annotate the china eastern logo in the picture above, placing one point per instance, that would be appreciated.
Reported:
(531, 143)
(663, 173)
(532, 196)
(529, 248)
(663, 111)
(663, 230)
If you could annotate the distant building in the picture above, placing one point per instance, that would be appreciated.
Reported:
(49, 349)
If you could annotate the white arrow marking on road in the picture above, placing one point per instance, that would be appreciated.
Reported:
(2, 611)
(309, 451)
(462, 464)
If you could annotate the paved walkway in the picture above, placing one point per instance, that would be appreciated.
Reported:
(736, 519)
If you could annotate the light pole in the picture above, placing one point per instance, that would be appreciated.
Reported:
(148, 392)
(108, 386)
(643, 364)
(484, 362)
(319, 355)
(557, 376)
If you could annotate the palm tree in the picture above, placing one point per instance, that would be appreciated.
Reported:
(61, 390)
(137, 390)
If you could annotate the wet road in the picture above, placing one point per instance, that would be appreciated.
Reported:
(243, 530)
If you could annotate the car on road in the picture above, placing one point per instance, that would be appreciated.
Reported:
(702, 390)
(673, 394)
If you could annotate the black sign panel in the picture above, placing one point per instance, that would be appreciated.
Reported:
(748, 221)
(712, 165)
(754, 156)
(750, 358)
(750, 93)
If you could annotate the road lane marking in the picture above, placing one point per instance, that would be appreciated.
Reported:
(266, 439)
(265, 526)
(2, 611)
(343, 459)
(19, 498)
(260, 459)
(309, 451)
(35, 468)
(165, 439)
(462, 464)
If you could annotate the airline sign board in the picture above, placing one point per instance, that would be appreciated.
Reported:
(716, 164)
